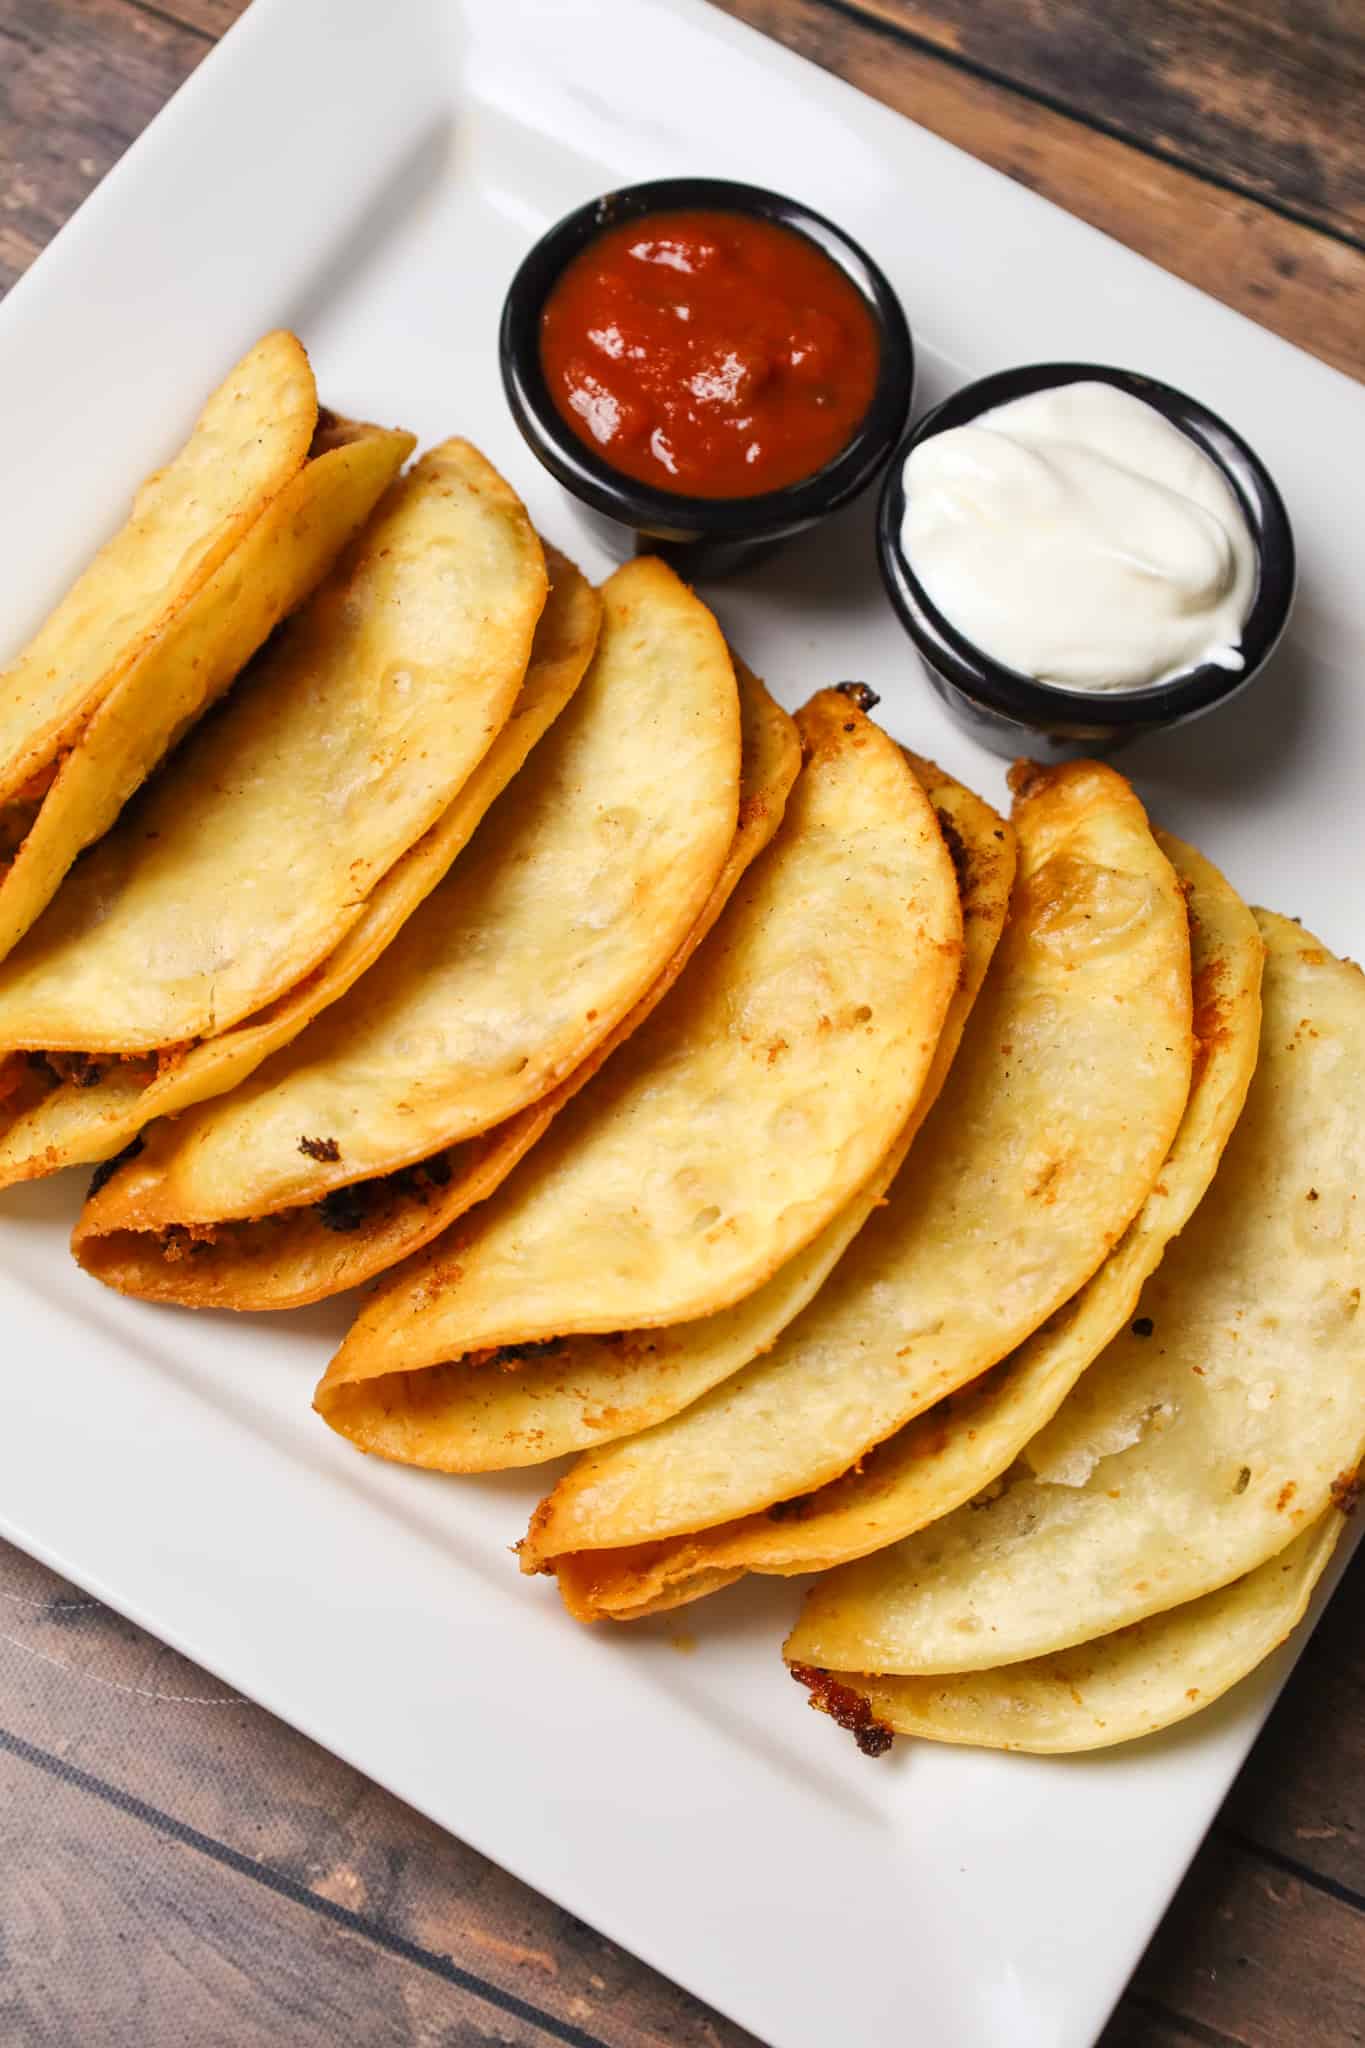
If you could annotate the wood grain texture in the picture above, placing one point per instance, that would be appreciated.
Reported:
(1299, 282)
(1301, 1792)
(1266, 97)
(102, 1698)
(79, 79)
(212, 18)
(1138, 2023)
(1277, 1960)
(122, 1935)
(214, 1878)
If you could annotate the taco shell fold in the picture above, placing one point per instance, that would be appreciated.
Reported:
(726, 1131)
(1119, 1687)
(403, 1213)
(219, 547)
(259, 848)
(586, 1390)
(1216, 1427)
(579, 886)
(962, 1445)
(1050, 1130)
(82, 1122)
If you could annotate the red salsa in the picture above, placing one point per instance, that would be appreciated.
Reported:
(710, 353)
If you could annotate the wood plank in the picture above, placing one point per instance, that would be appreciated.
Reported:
(1257, 1956)
(1292, 279)
(108, 1699)
(79, 79)
(1300, 1792)
(1268, 96)
(211, 18)
(1142, 2023)
(79, 1681)
(117, 1933)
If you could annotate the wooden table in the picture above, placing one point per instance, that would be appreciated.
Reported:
(177, 1869)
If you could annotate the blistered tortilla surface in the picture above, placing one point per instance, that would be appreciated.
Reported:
(403, 1415)
(962, 1444)
(249, 440)
(585, 1390)
(84, 1122)
(728, 1129)
(180, 670)
(1119, 1687)
(576, 888)
(1211, 1431)
(304, 1252)
(1050, 1130)
(254, 852)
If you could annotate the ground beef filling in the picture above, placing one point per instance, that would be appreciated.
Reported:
(351, 1208)
(51, 1070)
(343, 1210)
(847, 1708)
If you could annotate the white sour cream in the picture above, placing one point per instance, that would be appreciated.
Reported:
(1079, 537)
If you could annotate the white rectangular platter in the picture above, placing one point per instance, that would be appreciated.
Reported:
(369, 172)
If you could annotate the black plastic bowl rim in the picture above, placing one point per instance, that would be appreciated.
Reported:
(673, 515)
(1049, 706)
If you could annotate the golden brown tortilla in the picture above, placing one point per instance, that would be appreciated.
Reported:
(220, 546)
(579, 885)
(1051, 1128)
(725, 1133)
(405, 1212)
(585, 1389)
(960, 1446)
(1219, 1424)
(1119, 1687)
(258, 849)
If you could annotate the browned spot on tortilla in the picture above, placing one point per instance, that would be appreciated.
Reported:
(1346, 1490)
(958, 852)
(1026, 778)
(324, 1150)
(1211, 1010)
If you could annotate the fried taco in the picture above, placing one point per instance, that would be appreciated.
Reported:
(256, 852)
(1221, 1423)
(1115, 1689)
(726, 1132)
(585, 1390)
(219, 546)
(954, 1450)
(1049, 1133)
(389, 1217)
(581, 883)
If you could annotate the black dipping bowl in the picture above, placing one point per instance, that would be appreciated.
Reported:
(1008, 711)
(701, 536)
